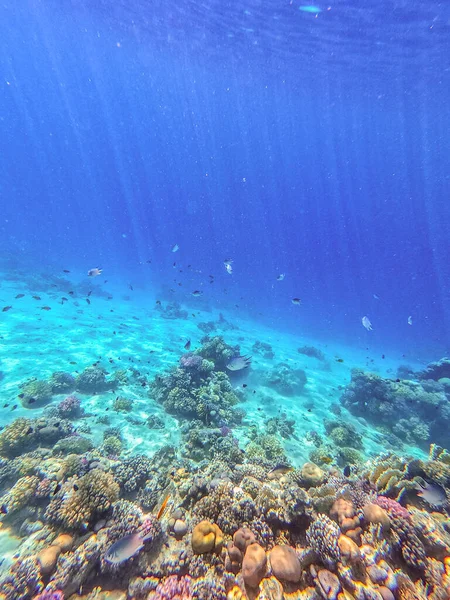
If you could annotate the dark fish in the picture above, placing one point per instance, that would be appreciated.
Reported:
(36, 297)
(46, 308)
(6, 308)
(57, 488)
(296, 301)
(71, 293)
(5, 405)
(136, 318)
(158, 302)
(89, 293)
(66, 271)
(21, 395)
(279, 470)
(340, 360)
(14, 407)
(433, 493)
(29, 430)
(19, 296)
(88, 301)
(4, 509)
(197, 293)
(75, 487)
(31, 400)
(187, 345)
(64, 299)
(347, 471)
(124, 549)
(72, 362)
(244, 385)
(238, 363)
(131, 287)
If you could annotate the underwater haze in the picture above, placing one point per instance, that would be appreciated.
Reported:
(224, 300)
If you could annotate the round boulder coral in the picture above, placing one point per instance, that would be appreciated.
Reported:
(285, 564)
(206, 537)
(254, 565)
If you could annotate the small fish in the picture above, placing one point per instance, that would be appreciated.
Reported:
(279, 470)
(14, 407)
(57, 488)
(131, 287)
(88, 301)
(244, 385)
(22, 395)
(163, 506)
(281, 276)
(71, 293)
(66, 271)
(376, 297)
(89, 293)
(63, 299)
(197, 293)
(124, 549)
(366, 323)
(239, 363)
(175, 248)
(31, 400)
(3, 509)
(410, 321)
(75, 487)
(29, 431)
(229, 269)
(94, 272)
(36, 297)
(347, 471)
(296, 301)
(158, 302)
(46, 308)
(19, 296)
(72, 362)
(5, 405)
(433, 493)
(339, 360)
(6, 308)
(187, 345)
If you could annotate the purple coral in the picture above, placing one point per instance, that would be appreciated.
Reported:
(191, 361)
(411, 547)
(69, 407)
(173, 588)
(50, 595)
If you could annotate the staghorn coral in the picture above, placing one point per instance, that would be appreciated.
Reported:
(62, 382)
(22, 581)
(21, 494)
(323, 537)
(132, 473)
(82, 499)
(405, 536)
(92, 381)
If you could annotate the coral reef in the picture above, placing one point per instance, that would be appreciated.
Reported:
(35, 393)
(286, 380)
(62, 382)
(92, 381)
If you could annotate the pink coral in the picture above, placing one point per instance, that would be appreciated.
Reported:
(69, 407)
(173, 588)
(393, 507)
(191, 361)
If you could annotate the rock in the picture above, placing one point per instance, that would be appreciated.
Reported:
(242, 538)
(64, 541)
(375, 514)
(254, 565)
(285, 564)
(312, 475)
(386, 593)
(350, 553)
(206, 537)
(47, 559)
(180, 528)
(328, 584)
(234, 558)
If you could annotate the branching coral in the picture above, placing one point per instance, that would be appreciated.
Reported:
(23, 581)
(132, 473)
(82, 499)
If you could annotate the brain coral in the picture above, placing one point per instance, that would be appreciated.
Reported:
(80, 500)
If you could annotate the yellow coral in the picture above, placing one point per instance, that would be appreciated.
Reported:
(21, 493)
(13, 439)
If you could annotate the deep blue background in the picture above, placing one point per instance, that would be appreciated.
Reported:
(327, 159)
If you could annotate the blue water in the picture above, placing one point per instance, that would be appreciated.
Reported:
(308, 143)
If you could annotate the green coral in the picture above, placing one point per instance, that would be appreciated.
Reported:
(122, 404)
(75, 444)
(15, 439)
(62, 382)
(21, 494)
(83, 499)
(92, 381)
(216, 350)
(112, 446)
(266, 449)
(342, 433)
(35, 393)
